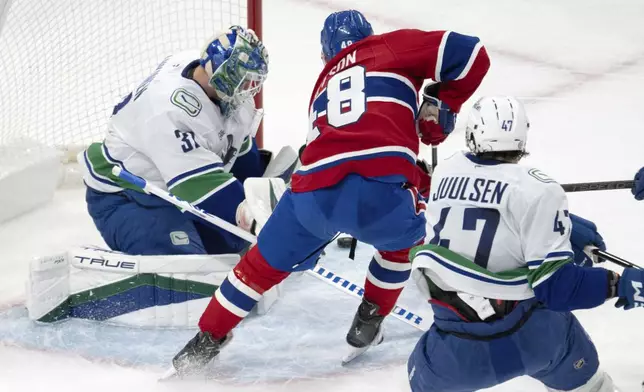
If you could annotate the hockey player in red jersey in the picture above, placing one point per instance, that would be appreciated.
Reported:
(359, 172)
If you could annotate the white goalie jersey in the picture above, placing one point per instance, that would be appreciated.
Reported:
(495, 229)
(169, 132)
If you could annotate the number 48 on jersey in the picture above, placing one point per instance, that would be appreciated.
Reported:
(346, 100)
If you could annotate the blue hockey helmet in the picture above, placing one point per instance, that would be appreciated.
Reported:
(342, 29)
(236, 62)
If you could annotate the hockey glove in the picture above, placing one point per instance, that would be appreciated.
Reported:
(638, 187)
(629, 289)
(417, 198)
(262, 196)
(584, 233)
(435, 118)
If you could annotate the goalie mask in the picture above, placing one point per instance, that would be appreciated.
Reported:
(237, 63)
(497, 124)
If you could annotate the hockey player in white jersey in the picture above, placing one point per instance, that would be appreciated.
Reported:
(499, 269)
(189, 128)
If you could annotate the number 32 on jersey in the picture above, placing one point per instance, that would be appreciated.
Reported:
(346, 100)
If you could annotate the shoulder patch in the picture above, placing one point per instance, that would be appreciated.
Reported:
(540, 176)
(186, 101)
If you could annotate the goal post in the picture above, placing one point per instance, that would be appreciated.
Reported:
(64, 64)
(255, 22)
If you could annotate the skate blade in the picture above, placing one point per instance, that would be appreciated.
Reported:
(355, 352)
(169, 375)
(172, 374)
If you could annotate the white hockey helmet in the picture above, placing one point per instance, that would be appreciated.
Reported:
(497, 124)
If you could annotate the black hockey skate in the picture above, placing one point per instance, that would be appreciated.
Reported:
(365, 331)
(198, 353)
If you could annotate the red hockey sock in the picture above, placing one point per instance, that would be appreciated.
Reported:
(387, 276)
(239, 293)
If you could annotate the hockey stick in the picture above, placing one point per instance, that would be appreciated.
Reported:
(334, 280)
(598, 186)
(354, 290)
(434, 157)
(615, 259)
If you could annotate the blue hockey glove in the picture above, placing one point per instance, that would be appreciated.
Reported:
(435, 118)
(638, 187)
(629, 289)
(584, 233)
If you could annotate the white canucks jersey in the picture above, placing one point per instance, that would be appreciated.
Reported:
(494, 229)
(169, 132)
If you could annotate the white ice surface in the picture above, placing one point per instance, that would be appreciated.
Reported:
(578, 64)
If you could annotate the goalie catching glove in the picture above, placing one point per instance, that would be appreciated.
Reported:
(262, 194)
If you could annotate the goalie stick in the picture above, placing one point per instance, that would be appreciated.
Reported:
(334, 280)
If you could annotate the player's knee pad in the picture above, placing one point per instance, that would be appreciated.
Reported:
(599, 382)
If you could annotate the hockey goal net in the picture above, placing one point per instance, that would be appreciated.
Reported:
(65, 63)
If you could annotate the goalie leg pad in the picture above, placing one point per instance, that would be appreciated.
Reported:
(99, 284)
(48, 288)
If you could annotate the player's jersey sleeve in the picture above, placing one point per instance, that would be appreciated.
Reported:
(458, 61)
(545, 231)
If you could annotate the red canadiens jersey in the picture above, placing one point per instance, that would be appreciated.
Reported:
(364, 104)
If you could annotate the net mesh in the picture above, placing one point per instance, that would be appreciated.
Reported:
(64, 64)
